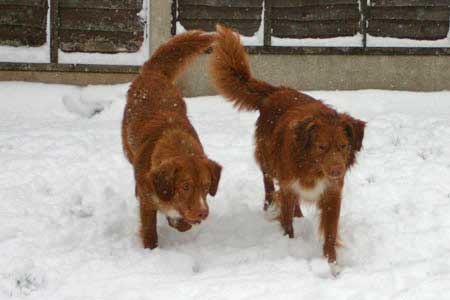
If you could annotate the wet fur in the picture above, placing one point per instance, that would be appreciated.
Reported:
(291, 131)
(171, 170)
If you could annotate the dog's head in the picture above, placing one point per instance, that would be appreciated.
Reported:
(181, 186)
(330, 142)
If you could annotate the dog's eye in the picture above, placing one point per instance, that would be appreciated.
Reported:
(186, 186)
(344, 146)
(323, 147)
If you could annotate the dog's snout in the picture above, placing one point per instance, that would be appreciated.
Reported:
(336, 171)
(203, 213)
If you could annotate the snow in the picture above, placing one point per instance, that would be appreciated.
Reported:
(345, 41)
(25, 54)
(374, 41)
(69, 219)
(131, 59)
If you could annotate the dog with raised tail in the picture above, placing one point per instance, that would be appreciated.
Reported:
(303, 144)
(173, 175)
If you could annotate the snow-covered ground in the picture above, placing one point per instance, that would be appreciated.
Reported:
(68, 217)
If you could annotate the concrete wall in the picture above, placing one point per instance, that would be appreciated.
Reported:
(336, 72)
(305, 72)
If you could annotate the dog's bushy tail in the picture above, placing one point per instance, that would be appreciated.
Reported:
(231, 75)
(172, 57)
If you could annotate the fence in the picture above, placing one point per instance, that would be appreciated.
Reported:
(82, 26)
(113, 26)
(421, 20)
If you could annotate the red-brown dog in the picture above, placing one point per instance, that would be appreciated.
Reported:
(300, 142)
(172, 173)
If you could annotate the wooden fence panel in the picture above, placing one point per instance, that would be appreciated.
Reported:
(104, 4)
(23, 23)
(413, 19)
(99, 41)
(243, 16)
(104, 26)
(318, 19)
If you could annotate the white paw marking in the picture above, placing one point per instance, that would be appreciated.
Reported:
(335, 269)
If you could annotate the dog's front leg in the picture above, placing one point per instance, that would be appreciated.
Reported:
(269, 189)
(286, 200)
(148, 226)
(330, 206)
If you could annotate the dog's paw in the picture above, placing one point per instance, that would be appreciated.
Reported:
(335, 268)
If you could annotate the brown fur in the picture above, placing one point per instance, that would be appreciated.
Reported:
(300, 141)
(171, 170)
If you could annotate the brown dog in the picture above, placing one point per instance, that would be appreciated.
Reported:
(173, 175)
(300, 142)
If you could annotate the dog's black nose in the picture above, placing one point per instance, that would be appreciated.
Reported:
(203, 213)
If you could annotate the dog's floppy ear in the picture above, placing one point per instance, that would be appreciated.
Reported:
(162, 179)
(303, 131)
(354, 129)
(215, 170)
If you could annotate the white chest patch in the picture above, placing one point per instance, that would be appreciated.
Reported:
(309, 194)
(173, 214)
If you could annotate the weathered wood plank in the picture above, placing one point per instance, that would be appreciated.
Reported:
(298, 3)
(320, 29)
(410, 13)
(244, 27)
(316, 13)
(210, 12)
(409, 2)
(100, 41)
(22, 36)
(54, 31)
(39, 3)
(268, 23)
(79, 68)
(104, 4)
(223, 3)
(363, 22)
(421, 30)
(100, 19)
(25, 16)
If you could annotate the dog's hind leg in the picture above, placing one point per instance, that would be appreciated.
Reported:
(269, 188)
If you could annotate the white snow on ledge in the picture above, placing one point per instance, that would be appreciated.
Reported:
(374, 41)
(347, 41)
(25, 54)
(131, 59)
